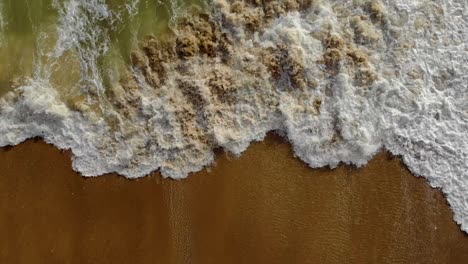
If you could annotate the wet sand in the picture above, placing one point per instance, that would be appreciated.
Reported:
(264, 207)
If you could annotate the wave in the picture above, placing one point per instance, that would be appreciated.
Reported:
(341, 80)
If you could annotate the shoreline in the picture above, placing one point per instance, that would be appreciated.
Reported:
(265, 206)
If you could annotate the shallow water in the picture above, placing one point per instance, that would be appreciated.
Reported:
(29, 32)
(137, 86)
(20, 27)
(269, 208)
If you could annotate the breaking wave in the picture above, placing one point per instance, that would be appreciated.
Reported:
(341, 80)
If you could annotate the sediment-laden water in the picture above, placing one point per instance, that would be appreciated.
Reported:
(141, 85)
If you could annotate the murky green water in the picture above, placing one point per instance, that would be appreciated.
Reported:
(30, 30)
(23, 22)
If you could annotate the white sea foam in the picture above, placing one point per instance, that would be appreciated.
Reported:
(417, 107)
(80, 28)
(3, 23)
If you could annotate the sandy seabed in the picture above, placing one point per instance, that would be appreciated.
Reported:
(263, 207)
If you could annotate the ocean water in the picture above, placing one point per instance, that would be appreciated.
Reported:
(134, 86)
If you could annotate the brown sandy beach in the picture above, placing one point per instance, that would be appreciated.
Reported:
(264, 207)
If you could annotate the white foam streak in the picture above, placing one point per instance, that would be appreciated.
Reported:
(3, 23)
(84, 28)
(132, 7)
